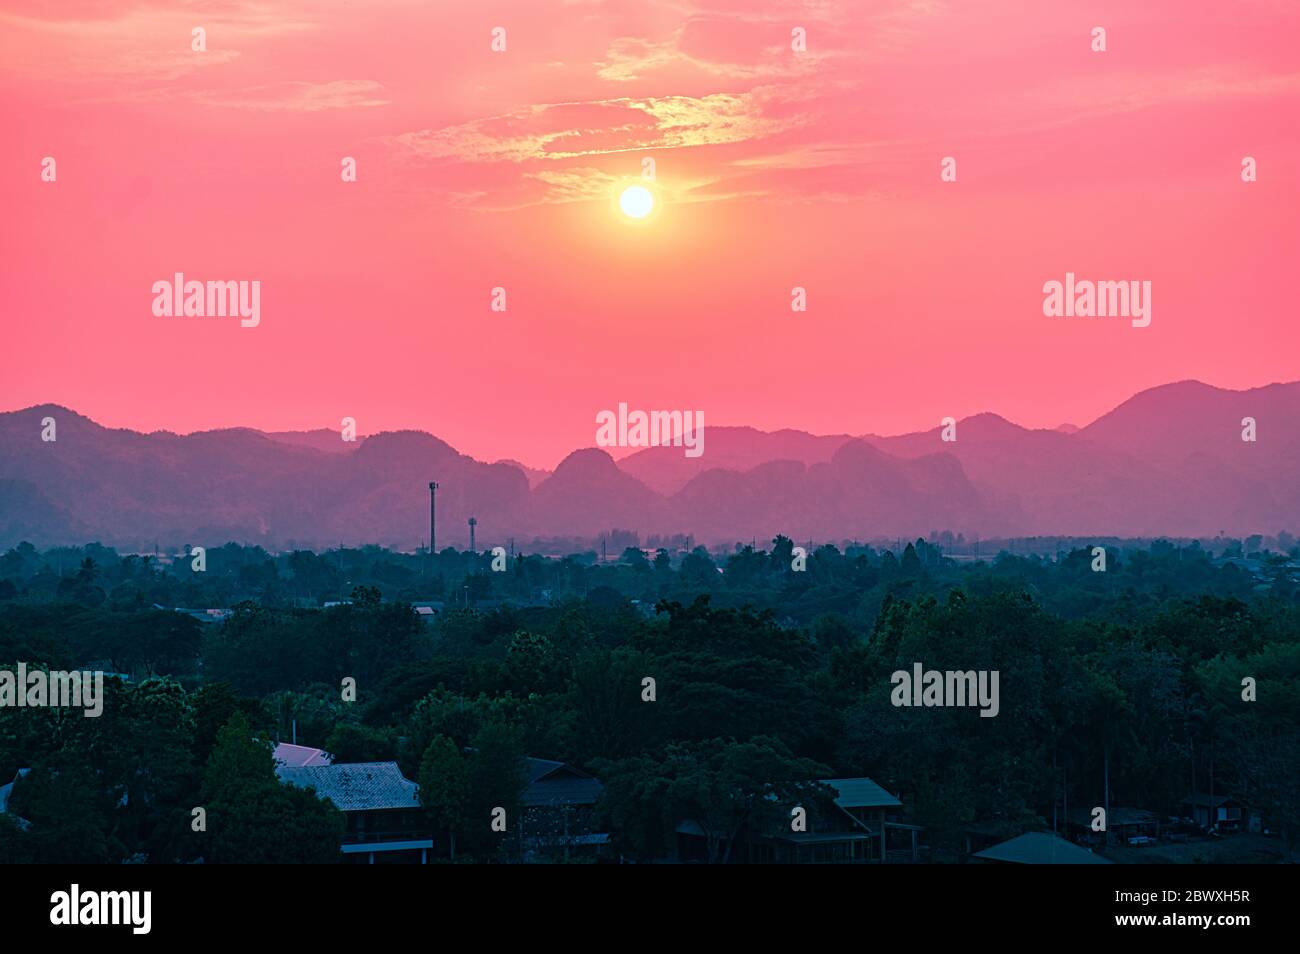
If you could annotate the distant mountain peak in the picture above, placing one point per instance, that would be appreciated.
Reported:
(587, 461)
(988, 424)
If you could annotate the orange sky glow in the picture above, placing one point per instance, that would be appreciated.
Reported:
(773, 169)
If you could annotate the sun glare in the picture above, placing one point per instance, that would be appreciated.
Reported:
(636, 202)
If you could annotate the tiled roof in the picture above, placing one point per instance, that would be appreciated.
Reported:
(355, 786)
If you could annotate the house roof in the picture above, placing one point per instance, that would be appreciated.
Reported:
(860, 793)
(296, 756)
(1040, 848)
(557, 783)
(540, 768)
(355, 786)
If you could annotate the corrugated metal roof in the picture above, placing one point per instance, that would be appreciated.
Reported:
(356, 786)
(1040, 848)
(860, 793)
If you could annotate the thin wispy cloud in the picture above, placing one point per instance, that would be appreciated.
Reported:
(298, 96)
(554, 131)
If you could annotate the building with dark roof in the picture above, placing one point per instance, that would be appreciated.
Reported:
(1216, 812)
(558, 808)
(557, 783)
(853, 827)
(858, 831)
(1124, 826)
(385, 822)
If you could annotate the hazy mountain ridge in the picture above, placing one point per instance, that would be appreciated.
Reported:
(1168, 461)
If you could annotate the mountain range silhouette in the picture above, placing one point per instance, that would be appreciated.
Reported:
(1169, 461)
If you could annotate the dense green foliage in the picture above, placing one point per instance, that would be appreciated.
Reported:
(765, 679)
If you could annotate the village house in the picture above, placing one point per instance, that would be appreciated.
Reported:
(1124, 826)
(558, 803)
(385, 823)
(1221, 813)
(854, 829)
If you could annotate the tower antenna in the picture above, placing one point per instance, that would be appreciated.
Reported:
(433, 496)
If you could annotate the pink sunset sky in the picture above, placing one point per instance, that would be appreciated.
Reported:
(775, 169)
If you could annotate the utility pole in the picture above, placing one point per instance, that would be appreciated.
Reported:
(433, 496)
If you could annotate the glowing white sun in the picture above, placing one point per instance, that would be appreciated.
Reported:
(636, 202)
